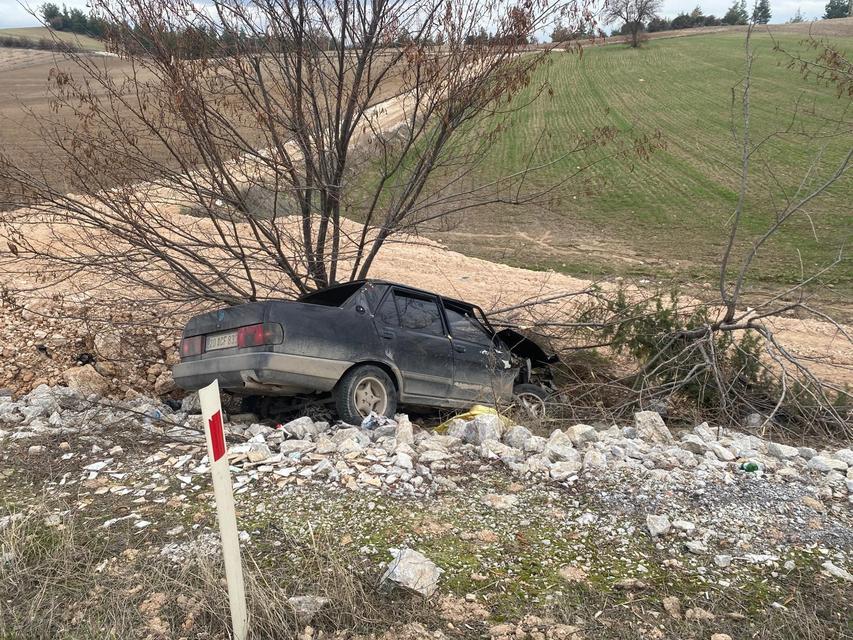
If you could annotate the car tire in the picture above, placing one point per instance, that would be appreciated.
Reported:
(530, 399)
(363, 389)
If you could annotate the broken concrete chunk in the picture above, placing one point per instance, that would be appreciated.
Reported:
(412, 571)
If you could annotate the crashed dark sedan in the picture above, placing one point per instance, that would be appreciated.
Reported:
(367, 346)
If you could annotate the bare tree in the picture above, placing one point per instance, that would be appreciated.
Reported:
(634, 14)
(256, 146)
(724, 354)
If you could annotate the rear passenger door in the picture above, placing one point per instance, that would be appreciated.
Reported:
(481, 368)
(412, 329)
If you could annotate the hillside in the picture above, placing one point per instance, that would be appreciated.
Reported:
(664, 215)
(37, 33)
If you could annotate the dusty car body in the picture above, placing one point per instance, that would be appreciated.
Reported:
(368, 345)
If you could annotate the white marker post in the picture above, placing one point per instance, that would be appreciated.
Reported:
(211, 412)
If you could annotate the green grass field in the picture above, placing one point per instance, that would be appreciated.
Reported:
(37, 33)
(667, 216)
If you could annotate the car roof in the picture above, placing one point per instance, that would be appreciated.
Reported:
(358, 283)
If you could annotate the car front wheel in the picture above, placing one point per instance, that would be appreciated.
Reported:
(530, 399)
(364, 390)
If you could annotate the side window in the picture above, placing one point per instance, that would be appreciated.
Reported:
(465, 327)
(387, 313)
(419, 314)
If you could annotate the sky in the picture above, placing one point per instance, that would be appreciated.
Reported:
(13, 14)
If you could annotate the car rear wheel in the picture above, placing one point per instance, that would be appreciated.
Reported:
(364, 390)
(531, 400)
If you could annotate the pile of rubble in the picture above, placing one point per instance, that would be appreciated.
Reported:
(398, 457)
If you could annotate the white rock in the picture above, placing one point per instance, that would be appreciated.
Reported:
(296, 446)
(404, 432)
(705, 432)
(306, 607)
(806, 453)
(845, 455)
(657, 525)
(433, 456)
(412, 571)
(782, 451)
(694, 444)
(403, 460)
(86, 380)
(594, 460)
(581, 434)
(498, 501)
(683, 525)
(825, 464)
(517, 437)
(650, 426)
(300, 429)
(723, 453)
(484, 427)
(837, 572)
(535, 444)
(564, 469)
(722, 560)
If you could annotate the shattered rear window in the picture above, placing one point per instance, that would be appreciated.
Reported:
(334, 296)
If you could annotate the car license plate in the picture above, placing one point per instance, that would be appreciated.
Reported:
(224, 340)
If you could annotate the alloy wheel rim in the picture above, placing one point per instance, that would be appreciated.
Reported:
(370, 395)
(531, 404)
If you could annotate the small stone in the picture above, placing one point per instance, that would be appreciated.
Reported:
(657, 525)
(837, 572)
(672, 606)
(720, 636)
(412, 571)
(684, 525)
(695, 546)
(631, 584)
(306, 607)
(565, 469)
(497, 501)
(698, 614)
(722, 560)
(36, 450)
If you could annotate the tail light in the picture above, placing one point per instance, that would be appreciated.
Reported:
(256, 335)
(192, 346)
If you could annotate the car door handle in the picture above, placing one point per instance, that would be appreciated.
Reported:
(386, 333)
(459, 348)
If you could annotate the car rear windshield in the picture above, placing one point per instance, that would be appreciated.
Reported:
(334, 296)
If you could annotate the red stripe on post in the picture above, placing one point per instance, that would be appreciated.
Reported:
(217, 435)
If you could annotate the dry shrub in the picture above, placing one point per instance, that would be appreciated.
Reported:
(73, 581)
